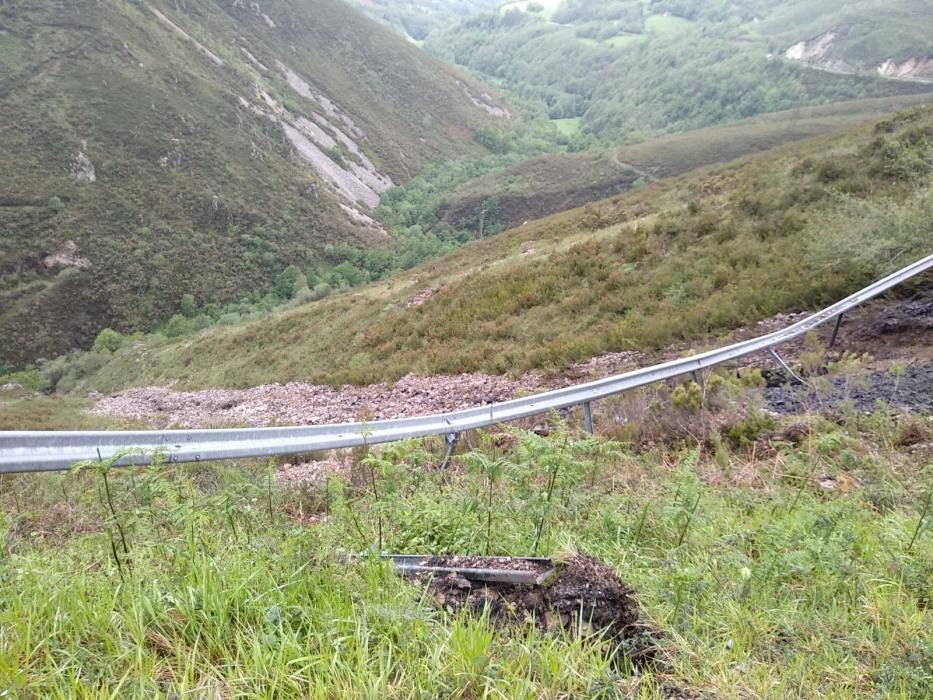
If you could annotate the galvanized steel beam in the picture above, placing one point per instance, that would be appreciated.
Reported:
(35, 451)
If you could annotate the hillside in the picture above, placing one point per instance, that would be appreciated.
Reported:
(158, 149)
(632, 70)
(551, 183)
(793, 228)
(888, 38)
(417, 19)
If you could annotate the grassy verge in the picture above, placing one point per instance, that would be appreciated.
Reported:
(210, 580)
(21, 410)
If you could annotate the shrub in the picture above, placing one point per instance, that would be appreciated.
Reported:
(200, 322)
(177, 325)
(747, 431)
(189, 307)
(56, 204)
(688, 396)
(30, 379)
(109, 340)
(291, 281)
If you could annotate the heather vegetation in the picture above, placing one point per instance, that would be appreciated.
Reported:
(536, 187)
(683, 258)
(416, 20)
(137, 165)
(167, 172)
(791, 560)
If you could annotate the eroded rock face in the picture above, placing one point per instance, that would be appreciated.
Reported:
(818, 50)
(330, 142)
(812, 49)
(82, 169)
(917, 67)
(66, 255)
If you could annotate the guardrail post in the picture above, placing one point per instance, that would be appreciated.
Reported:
(451, 439)
(832, 338)
(777, 358)
(587, 417)
(696, 377)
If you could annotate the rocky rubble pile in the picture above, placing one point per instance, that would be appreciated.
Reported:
(297, 403)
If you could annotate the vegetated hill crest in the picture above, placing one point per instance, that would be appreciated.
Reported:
(551, 183)
(199, 148)
(793, 228)
(632, 70)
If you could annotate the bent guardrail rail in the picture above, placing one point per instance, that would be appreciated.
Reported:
(35, 451)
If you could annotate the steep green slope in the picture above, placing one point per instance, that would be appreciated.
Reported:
(557, 182)
(631, 69)
(156, 149)
(789, 229)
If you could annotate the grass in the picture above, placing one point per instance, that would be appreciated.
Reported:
(230, 206)
(619, 42)
(683, 258)
(680, 153)
(665, 25)
(568, 127)
(208, 580)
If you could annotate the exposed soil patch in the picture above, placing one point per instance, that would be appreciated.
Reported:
(585, 597)
(910, 389)
(297, 403)
(311, 473)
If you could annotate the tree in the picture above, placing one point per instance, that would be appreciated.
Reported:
(189, 307)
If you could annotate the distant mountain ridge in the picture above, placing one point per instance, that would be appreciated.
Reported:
(199, 147)
(633, 69)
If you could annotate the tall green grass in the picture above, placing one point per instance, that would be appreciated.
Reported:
(204, 581)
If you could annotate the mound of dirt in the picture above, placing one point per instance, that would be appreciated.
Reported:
(585, 597)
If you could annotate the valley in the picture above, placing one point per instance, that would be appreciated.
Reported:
(254, 255)
(697, 254)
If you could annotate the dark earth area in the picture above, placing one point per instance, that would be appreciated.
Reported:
(909, 387)
(898, 335)
(586, 597)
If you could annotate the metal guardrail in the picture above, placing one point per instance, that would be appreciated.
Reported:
(35, 451)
